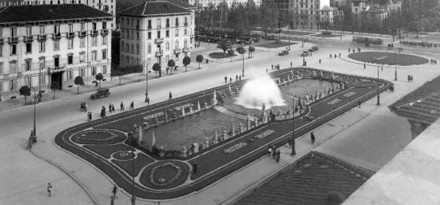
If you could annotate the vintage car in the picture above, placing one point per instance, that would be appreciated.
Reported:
(101, 93)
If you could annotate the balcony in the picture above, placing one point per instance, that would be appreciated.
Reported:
(13, 40)
(185, 50)
(28, 39)
(42, 38)
(94, 33)
(192, 35)
(82, 34)
(2, 41)
(158, 40)
(159, 54)
(177, 51)
(185, 24)
(104, 32)
(56, 36)
(70, 35)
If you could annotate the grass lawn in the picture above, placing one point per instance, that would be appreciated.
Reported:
(274, 44)
(298, 33)
(331, 35)
(220, 55)
(388, 58)
(428, 89)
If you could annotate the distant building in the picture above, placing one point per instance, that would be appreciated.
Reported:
(155, 32)
(108, 6)
(205, 3)
(370, 17)
(331, 18)
(45, 44)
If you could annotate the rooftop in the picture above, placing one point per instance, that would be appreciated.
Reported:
(154, 7)
(33, 13)
(309, 181)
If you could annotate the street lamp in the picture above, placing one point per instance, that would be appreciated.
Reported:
(133, 197)
(378, 94)
(146, 82)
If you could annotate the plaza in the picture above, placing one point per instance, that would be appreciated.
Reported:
(85, 181)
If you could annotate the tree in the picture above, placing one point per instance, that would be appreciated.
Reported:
(99, 78)
(251, 50)
(199, 59)
(54, 86)
(157, 68)
(241, 51)
(25, 91)
(186, 62)
(171, 64)
(78, 81)
(224, 45)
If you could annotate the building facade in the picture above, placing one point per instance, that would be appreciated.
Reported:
(155, 32)
(331, 18)
(46, 46)
(108, 6)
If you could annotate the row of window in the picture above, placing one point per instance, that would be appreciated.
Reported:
(29, 30)
(132, 22)
(13, 84)
(130, 34)
(127, 60)
(56, 45)
(129, 48)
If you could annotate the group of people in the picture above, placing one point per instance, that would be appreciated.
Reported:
(354, 50)
(83, 106)
(111, 108)
(410, 78)
(274, 153)
(276, 67)
(331, 56)
(237, 78)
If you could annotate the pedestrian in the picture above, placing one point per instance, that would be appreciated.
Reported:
(226, 79)
(409, 78)
(85, 107)
(230, 80)
(122, 106)
(365, 66)
(113, 108)
(359, 104)
(267, 70)
(81, 106)
(330, 55)
(115, 191)
(194, 165)
(335, 55)
(236, 76)
(277, 156)
(319, 61)
(272, 66)
(110, 107)
(148, 100)
(239, 78)
(381, 68)
(339, 55)
(132, 105)
(348, 50)
(312, 138)
(49, 189)
(170, 96)
(96, 83)
(270, 151)
(291, 64)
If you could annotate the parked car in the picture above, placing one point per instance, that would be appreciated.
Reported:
(315, 48)
(283, 53)
(305, 53)
(101, 93)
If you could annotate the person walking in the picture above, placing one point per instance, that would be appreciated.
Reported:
(148, 100)
(194, 165)
(115, 191)
(122, 106)
(359, 103)
(85, 107)
(312, 138)
(293, 151)
(277, 156)
(49, 189)
(110, 108)
(226, 79)
(230, 80)
(132, 105)
(236, 77)
(170, 95)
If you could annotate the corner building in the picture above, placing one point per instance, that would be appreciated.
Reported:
(155, 32)
(45, 44)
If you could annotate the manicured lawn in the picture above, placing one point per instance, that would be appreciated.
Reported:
(298, 33)
(275, 44)
(331, 35)
(388, 58)
(220, 55)
(428, 89)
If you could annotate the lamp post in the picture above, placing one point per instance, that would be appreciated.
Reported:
(378, 94)
(133, 197)
(146, 82)
(35, 101)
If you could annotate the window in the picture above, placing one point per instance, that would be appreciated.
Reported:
(83, 26)
(158, 34)
(42, 62)
(94, 26)
(184, 32)
(13, 66)
(1, 86)
(29, 31)
(177, 22)
(158, 22)
(69, 75)
(177, 32)
(82, 57)
(56, 29)
(137, 23)
(185, 44)
(70, 59)
(186, 21)
(94, 56)
(167, 46)
(137, 49)
(104, 53)
(56, 61)
(28, 81)
(42, 79)
(94, 41)
(93, 70)
(56, 45)
(28, 47)
(13, 85)
(13, 49)
(42, 30)
(137, 35)
(104, 25)
(28, 64)
(104, 40)
(149, 24)
(149, 48)
(82, 72)
(1, 69)
(14, 32)
(70, 28)
(69, 43)
(104, 69)
(168, 23)
(149, 35)
(82, 42)
(177, 44)
(42, 46)
(1, 50)
(167, 33)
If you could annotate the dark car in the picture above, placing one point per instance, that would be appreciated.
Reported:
(101, 93)
(315, 48)
(283, 53)
(305, 54)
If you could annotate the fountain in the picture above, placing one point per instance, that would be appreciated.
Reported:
(258, 91)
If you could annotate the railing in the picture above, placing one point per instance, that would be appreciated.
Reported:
(28, 39)
(185, 50)
(13, 40)
(159, 53)
(56, 36)
(94, 32)
(177, 50)
(158, 40)
(104, 32)
(42, 37)
(2, 41)
(70, 35)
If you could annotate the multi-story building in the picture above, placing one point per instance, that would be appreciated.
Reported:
(331, 18)
(44, 45)
(155, 31)
(108, 6)
(206, 3)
